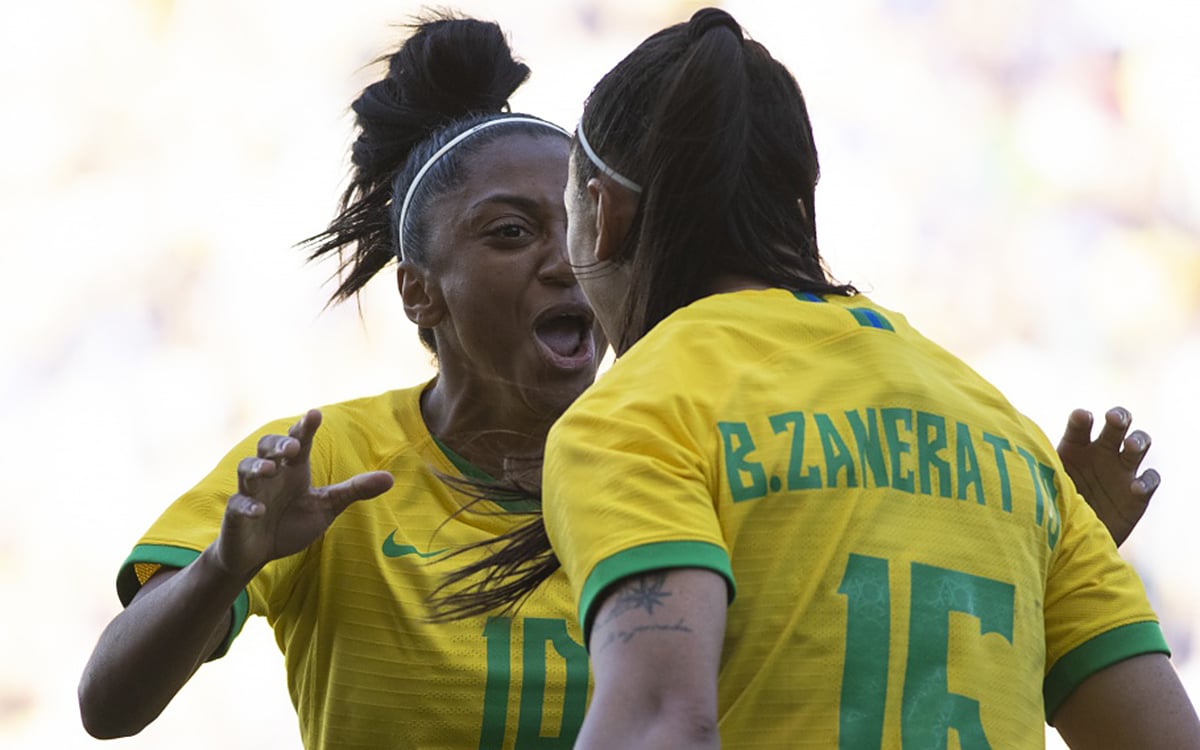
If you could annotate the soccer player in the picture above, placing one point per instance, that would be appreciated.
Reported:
(787, 518)
(468, 198)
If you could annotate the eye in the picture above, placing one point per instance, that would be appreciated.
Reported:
(510, 231)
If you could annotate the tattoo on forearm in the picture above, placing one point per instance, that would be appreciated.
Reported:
(625, 636)
(643, 592)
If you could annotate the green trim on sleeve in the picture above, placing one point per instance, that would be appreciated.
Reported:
(648, 557)
(175, 557)
(1092, 656)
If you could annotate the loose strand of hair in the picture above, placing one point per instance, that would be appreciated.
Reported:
(516, 563)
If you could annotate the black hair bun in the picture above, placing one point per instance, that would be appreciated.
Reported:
(454, 67)
(447, 69)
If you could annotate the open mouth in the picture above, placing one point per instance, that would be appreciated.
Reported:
(565, 335)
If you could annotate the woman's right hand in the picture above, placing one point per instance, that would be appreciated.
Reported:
(276, 511)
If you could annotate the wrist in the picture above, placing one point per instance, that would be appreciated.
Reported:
(220, 571)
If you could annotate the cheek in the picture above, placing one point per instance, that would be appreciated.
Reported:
(580, 245)
(579, 231)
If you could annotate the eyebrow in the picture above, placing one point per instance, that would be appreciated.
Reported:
(522, 202)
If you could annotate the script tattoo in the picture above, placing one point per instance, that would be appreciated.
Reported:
(625, 636)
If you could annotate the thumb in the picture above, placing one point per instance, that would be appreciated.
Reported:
(358, 487)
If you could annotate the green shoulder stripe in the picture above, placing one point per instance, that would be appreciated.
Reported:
(175, 557)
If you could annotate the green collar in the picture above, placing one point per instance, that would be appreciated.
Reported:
(471, 471)
(468, 469)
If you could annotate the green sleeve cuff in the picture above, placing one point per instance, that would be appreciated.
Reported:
(175, 557)
(1092, 656)
(648, 557)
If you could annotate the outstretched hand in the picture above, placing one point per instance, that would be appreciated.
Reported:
(276, 511)
(1105, 469)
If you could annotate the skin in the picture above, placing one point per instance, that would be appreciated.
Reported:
(656, 640)
(595, 226)
(496, 379)
(1136, 703)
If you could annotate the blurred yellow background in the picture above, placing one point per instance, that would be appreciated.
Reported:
(1020, 177)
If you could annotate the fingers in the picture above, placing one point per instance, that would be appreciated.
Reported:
(1079, 427)
(303, 432)
(1134, 449)
(1146, 485)
(250, 470)
(359, 487)
(295, 446)
(1116, 422)
(245, 506)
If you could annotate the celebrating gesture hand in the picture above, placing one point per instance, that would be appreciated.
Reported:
(1105, 469)
(276, 511)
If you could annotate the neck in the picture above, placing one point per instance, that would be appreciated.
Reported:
(730, 282)
(487, 426)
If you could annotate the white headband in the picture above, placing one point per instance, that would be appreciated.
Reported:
(613, 174)
(412, 186)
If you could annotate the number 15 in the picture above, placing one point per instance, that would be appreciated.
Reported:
(928, 708)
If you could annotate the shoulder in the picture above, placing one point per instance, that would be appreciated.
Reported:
(391, 414)
(365, 434)
(711, 343)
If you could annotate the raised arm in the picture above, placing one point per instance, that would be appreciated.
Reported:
(1138, 703)
(181, 616)
(1104, 470)
(655, 648)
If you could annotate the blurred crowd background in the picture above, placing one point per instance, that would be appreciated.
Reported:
(1020, 177)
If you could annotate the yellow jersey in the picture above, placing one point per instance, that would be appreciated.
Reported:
(906, 557)
(365, 667)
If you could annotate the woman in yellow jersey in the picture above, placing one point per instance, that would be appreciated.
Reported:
(787, 518)
(470, 199)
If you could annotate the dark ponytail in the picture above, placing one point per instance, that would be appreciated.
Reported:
(717, 134)
(449, 75)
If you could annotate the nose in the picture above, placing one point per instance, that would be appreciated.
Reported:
(556, 266)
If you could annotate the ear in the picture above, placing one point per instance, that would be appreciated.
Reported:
(615, 209)
(422, 298)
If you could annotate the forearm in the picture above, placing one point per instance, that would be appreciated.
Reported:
(150, 650)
